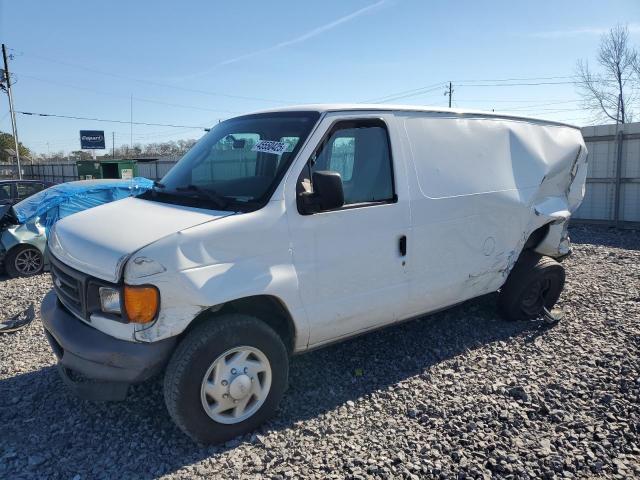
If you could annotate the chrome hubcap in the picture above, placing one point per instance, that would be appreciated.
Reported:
(240, 387)
(236, 385)
(28, 262)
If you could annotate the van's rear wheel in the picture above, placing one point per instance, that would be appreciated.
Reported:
(226, 378)
(534, 283)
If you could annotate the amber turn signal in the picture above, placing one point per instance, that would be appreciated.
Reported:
(141, 303)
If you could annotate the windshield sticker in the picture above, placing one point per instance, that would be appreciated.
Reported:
(270, 146)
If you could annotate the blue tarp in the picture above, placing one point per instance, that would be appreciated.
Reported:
(65, 199)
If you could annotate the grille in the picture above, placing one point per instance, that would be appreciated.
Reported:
(69, 286)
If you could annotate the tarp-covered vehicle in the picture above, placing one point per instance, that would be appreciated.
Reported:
(24, 227)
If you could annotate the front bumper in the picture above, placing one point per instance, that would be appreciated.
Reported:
(108, 364)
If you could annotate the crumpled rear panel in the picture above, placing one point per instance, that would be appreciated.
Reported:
(481, 187)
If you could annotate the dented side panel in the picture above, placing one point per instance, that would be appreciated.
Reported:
(202, 267)
(481, 187)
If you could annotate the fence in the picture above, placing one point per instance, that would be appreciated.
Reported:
(155, 170)
(67, 172)
(613, 180)
(613, 177)
(54, 173)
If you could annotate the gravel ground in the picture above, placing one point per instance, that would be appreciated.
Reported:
(457, 394)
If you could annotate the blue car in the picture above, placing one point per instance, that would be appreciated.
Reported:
(24, 226)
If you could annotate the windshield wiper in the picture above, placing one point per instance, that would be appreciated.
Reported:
(211, 195)
(160, 185)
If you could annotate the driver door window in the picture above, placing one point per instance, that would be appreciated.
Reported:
(359, 151)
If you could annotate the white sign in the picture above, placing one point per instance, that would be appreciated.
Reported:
(126, 173)
(270, 146)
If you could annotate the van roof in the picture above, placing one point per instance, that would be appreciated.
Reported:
(354, 107)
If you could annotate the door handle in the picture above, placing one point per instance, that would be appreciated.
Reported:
(402, 244)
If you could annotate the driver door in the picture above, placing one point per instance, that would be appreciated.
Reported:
(350, 261)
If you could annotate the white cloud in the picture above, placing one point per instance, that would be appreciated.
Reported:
(293, 41)
(633, 28)
(310, 34)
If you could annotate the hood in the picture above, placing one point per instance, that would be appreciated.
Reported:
(99, 241)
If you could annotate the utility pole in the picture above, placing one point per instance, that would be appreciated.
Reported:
(450, 93)
(12, 111)
(131, 125)
(113, 145)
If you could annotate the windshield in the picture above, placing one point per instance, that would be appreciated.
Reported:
(238, 164)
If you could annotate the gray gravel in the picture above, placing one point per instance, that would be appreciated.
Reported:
(459, 394)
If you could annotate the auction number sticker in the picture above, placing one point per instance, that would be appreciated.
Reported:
(270, 146)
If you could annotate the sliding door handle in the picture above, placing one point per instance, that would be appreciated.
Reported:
(402, 245)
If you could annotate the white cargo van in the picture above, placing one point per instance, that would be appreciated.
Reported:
(285, 230)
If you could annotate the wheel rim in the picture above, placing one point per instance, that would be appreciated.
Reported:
(535, 297)
(28, 261)
(236, 385)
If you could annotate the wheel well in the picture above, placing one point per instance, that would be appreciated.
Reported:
(266, 308)
(536, 237)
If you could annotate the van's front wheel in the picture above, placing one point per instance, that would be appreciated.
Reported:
(225, 378)
(535, 283)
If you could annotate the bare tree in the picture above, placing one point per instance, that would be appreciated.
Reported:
(609, 93)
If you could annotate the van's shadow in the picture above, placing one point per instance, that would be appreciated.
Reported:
(43, 424)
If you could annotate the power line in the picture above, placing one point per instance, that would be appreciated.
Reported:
(159, 102)
(139, 99)
(515, 79)
(505, 82)
(109, 121)
(545, 111)
(419, 91)
(538, 109)
(412, 95)
(519, 84)
(157, 84)
(536, 101)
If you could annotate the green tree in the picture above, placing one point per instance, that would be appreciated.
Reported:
(81, 155)
(6, 142)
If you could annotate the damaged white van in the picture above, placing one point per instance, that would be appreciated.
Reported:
(285, 230)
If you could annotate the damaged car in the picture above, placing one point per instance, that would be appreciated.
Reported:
(289, 229)
(24, 226)
(13, 191)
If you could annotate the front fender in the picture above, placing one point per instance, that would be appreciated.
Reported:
(205, 266)
(187, 293)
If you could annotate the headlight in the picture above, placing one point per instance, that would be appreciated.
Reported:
(110, 300)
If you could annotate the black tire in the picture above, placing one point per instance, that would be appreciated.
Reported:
(191, 361)
(534, 283)
(18, 261)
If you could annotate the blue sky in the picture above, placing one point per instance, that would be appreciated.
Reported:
(192, 63)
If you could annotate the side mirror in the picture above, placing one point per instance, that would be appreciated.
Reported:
(327, 193)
